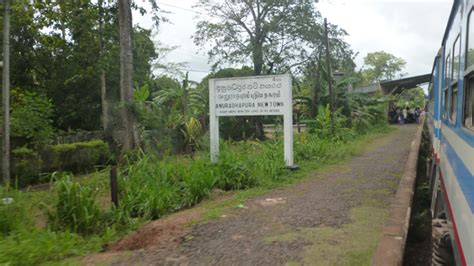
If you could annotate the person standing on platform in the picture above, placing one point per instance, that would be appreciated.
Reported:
(399, 116)
(417, 115)
(404, 115)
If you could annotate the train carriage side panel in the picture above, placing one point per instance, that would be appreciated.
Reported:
(456, 153)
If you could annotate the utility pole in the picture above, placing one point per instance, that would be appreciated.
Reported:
(6, 94)
(328, 59)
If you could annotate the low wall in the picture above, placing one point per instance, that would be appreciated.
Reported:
(79, 137)
(391, 248)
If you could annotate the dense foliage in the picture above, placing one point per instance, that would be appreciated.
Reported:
(31, 118)
(412, 98)
(382, 66)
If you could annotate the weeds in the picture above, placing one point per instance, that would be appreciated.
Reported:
(75, 209)
(13, 213)
(38, 246)
(150, 186)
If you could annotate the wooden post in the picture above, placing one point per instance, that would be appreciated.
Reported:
(6, 94)
(114, 185)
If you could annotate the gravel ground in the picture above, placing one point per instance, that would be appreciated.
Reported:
(303, 224)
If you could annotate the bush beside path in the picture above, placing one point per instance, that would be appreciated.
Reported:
(333, 216)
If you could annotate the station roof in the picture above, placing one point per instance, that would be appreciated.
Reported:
(400, 85)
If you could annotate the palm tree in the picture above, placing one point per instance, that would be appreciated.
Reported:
(183, 105)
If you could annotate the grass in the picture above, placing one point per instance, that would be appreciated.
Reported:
(352, 244)
(151, 188)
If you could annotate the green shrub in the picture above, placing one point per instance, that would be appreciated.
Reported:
(76, 157)
(26, 166)
(310, 147)
(75, 208)
(31, 117)
(13, 215)
(269, 164)
(233, 171)
(150, 189)
(199, 179)
(79, 157)
(337, 131)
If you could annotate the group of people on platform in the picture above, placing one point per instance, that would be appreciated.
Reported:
(405, 115)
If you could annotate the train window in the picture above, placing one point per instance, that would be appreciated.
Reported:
(446, 82)
(447, 73)
(456, 56)
(445, 102)
(468, 117)
(470, 42)
(454, 104)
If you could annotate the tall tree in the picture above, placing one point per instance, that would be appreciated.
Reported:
(103, 82)
(270, 34)
(412, 98)
(382, 66)
(6, 93)
(315, 70)
(126, 74)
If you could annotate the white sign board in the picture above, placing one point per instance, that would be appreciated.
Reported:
(261, 95)
(251, 96)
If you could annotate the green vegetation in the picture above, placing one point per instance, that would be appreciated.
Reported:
(382, 66)
(76, 208)
(31, 118)
(32, 166)
(75, 214)
(412, 98)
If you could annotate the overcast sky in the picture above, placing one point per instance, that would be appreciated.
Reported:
(411, 29)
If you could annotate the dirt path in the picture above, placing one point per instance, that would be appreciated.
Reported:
(334, 218)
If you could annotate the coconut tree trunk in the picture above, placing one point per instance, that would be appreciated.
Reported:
(126, 75)
(103, 86)
(258, 66)
(6, 94)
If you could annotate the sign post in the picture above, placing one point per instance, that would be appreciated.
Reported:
(252, 96)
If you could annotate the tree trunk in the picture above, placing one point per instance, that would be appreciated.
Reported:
(103, 94)
(126, 72)
(316, 89)
(257, 58)
(258, 67)
(103, 86)
(6, 94)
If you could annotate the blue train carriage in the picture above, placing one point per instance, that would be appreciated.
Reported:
(451, 126)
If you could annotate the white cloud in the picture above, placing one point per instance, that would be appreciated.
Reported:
(411, 29)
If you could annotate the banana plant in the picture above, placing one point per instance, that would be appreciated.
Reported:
(191, 131)
(182, 106)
